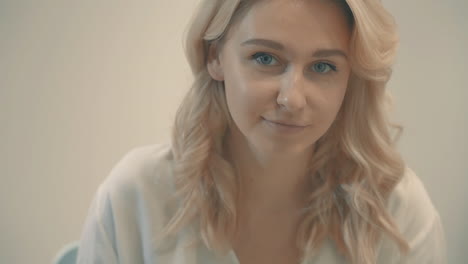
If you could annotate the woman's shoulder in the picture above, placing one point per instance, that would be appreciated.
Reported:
(410, 204)
(142, 168)
(130, 208)
(418, 221)
(141, 183)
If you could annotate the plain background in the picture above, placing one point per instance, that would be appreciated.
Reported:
(83, 82)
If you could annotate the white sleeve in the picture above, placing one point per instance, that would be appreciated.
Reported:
(97, 243)
(419, 223)
(429, 246)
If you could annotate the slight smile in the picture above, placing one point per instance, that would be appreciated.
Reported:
(284, 126)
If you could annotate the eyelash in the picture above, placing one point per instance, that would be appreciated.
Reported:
(257, 55)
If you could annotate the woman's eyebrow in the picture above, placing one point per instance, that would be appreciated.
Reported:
(264, 42)
(320, 53)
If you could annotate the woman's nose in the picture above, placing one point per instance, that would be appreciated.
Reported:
(291, 95)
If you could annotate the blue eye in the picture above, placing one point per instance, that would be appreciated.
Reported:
(323, 67)
(265, 59)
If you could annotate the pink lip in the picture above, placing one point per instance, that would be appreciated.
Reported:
(284, 127)
(285, 123)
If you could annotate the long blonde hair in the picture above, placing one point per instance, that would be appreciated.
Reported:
(355, 166)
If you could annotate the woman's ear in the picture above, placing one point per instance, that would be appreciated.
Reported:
(213, 64)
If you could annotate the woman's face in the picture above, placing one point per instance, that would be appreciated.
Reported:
(285, 70)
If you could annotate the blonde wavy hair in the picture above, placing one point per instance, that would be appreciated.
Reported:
(355, 166)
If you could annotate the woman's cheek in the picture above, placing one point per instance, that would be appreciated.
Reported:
(264, 91)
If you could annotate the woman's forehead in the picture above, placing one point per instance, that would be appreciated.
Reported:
(295, 22)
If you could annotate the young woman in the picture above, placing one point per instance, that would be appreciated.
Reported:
(282, 150)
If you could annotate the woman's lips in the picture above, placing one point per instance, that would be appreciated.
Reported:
(284, 126)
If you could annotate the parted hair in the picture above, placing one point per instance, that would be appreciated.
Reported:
(354, 168)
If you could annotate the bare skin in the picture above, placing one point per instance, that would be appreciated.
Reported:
(267, 224)
(282, 99)
(267, 239)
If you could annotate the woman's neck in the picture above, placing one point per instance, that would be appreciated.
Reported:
(270, 180)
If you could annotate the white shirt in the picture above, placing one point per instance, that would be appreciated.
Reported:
(131, 207)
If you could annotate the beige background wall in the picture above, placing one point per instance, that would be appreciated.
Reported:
(83, 82)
